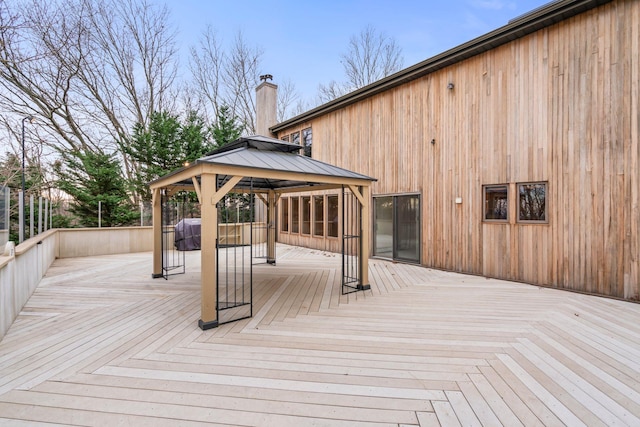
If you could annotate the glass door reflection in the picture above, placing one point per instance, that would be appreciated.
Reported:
(407, 228)
(383, 227)
(397, 227)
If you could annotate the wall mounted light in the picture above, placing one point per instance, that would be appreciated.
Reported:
(450, 86)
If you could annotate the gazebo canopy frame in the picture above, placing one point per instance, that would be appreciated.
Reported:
(264, 166)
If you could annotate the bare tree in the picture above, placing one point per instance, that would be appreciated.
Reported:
(331, 91)
(300, 107)
(371, 56)
(241, 72)
(287, 96)
(229, 78)
(206, 64)
(87, 69)
(226, 78)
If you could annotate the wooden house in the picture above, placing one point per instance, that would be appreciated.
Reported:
(515, 155)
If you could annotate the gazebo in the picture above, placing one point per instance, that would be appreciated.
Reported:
(260, 169)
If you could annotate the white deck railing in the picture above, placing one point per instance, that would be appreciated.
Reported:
(22, 267)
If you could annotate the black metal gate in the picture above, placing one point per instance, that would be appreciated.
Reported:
(236, 215)
(351, 243)
(173, 211)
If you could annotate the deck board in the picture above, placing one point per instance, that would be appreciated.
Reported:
(101, 343)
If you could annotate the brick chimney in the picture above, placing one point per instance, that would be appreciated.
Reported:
(266, 99)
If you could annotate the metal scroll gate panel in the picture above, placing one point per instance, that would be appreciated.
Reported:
(236, 214)
(351, 243)
(173, 212)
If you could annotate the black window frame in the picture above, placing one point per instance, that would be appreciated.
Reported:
(545, 213)
(307, 141)
(335, 222)
(294, 138)
(314, 214)
(305, 215)
(295, 216)
(284, 215)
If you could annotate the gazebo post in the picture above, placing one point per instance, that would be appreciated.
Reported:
(156, 202)
(271, 227)
(365, 214)
(208, 254)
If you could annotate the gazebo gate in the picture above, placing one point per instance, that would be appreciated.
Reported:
(351, 243)
(235, 255)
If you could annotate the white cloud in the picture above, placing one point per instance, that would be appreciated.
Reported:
(493, 4)
(474, 23)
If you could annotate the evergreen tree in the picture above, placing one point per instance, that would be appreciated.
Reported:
(195, 137)
(93, 177)
(166, 145)
(227, 129)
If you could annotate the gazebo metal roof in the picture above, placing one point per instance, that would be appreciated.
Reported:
(266, 154)
(259, 152)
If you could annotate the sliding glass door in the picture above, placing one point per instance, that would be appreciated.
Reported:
(397, 227)
(383, 227)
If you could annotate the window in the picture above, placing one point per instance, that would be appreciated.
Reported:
(332, 216)
(295, 215)
(532, 198)
(285, 138)
(496, 202)
(307, 141)
(318, 215)
(285, 215)
(306, 215)
(295, 138)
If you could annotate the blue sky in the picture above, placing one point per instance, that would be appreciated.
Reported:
(302, 40)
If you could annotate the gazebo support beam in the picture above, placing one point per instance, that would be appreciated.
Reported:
(156, 203)
(208, 254)
(208, 250)
(196, 187)
(219, 194)
(365, 212)
(357, 192)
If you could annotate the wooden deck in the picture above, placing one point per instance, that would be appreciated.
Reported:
(101, 343)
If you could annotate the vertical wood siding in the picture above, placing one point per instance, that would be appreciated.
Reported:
(561, 106)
